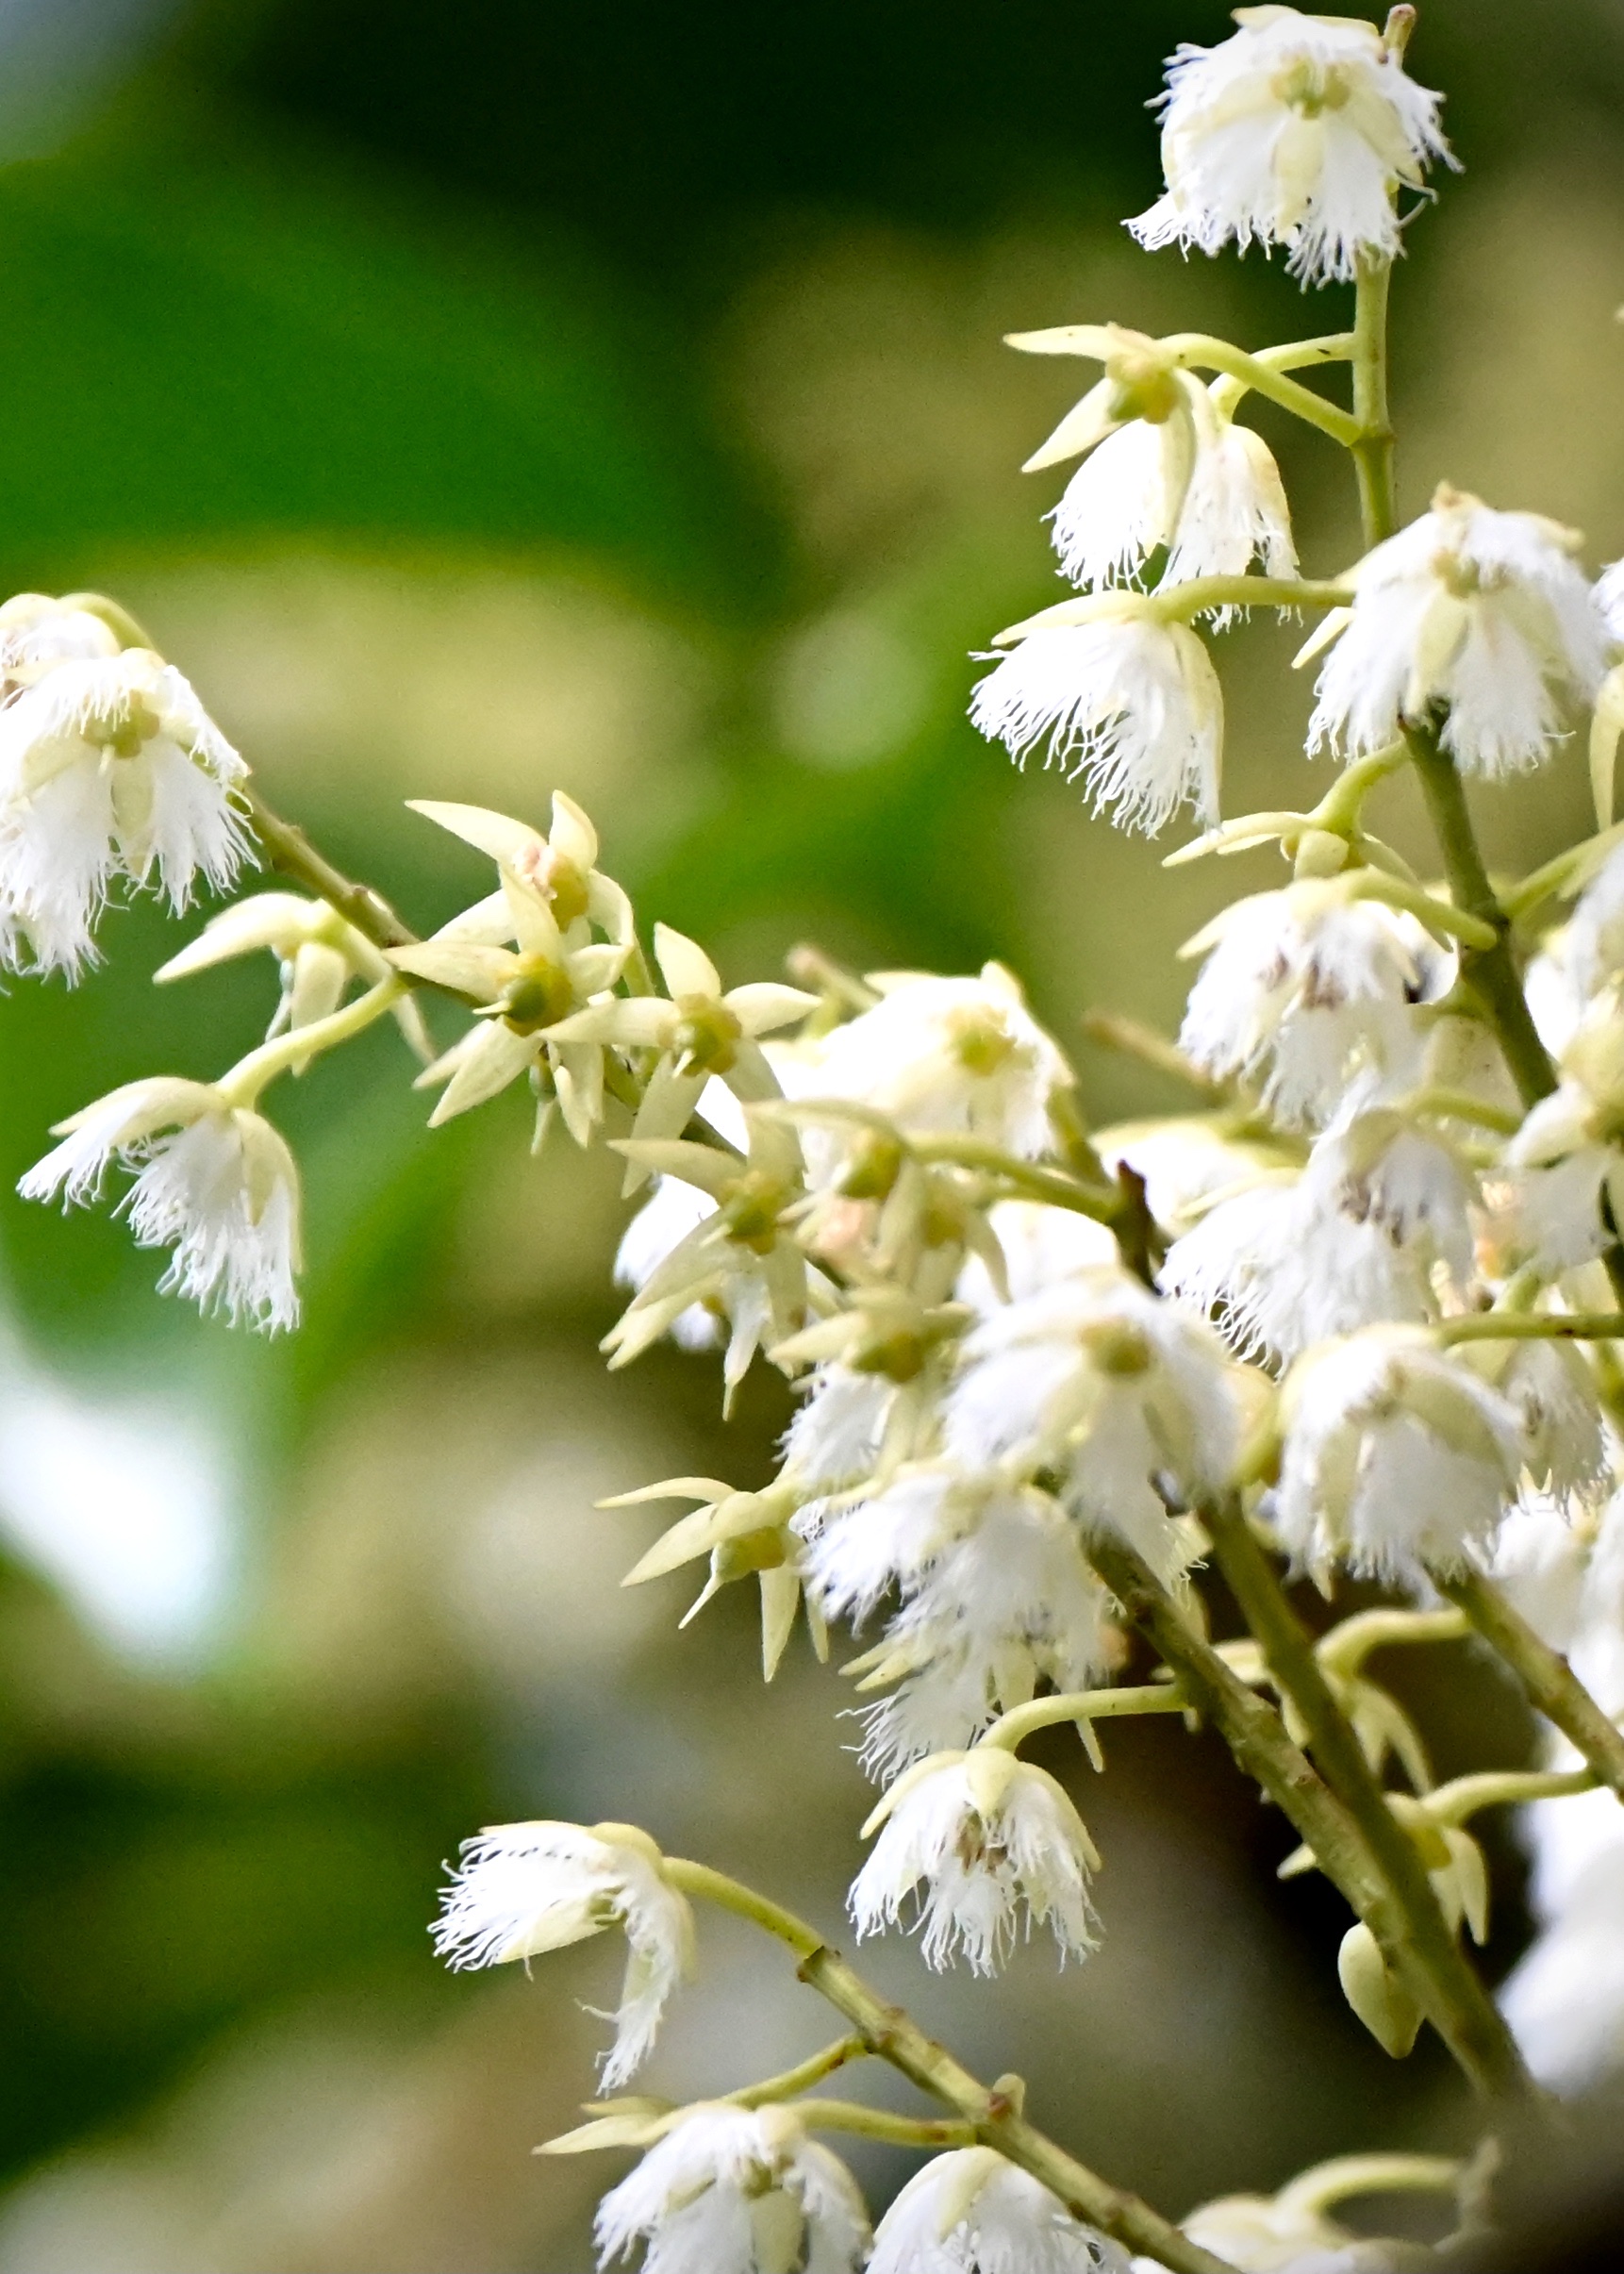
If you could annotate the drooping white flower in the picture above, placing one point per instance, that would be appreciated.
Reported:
(1304, 986)
(1122, 1396)
(1397, 1457)
(978, 1836)
(973, 2211)
(1483, 611)
(1041, 1245)
(523, 1889)
(1130, 706)
(109, 766)
(213, 1181)
(1295, 131)
(995, 1596)
(737, 2191)
(1213, 507)
(1354, 1241)
(943, 1057)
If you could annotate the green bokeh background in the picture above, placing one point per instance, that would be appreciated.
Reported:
(612, 399)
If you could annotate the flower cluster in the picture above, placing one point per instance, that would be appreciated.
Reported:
(1355, 1312)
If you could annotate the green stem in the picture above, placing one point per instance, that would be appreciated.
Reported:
(880, 2124)
(1135, 1039)
(1457, 2007)
(1313, 2193)
(1533, 1326)
(992, 2112)
(1343, 1651)
(1101, 1202)
(1012, 1728)
(1461, 1796)
(800, 2079)
(1545, 1674)
(1294, 355)
(1489, 972)
(1475, 2031)
(243, 1085)
(1266, 376)
(1372, 446)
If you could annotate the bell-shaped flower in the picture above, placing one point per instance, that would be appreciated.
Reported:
(978, 1838)
(738, 1260)
(109, 766)
(700, 1032)
(1398, 1459)
(1119, 1397)
(317, 954)
(1357, 1238)
(1163, 470)
(737, 2191)
(213, 1181)
(1302, 988)
(973, 2211)
(1129, 705)
(943, 1057)
(995, 1596)
(523, 1889)
(1482, 612)
(1295, 131)
(523, 992)
(979, 2214)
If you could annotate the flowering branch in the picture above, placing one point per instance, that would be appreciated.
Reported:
(991, 2114)
(1444, 1986)
(1481, 2040)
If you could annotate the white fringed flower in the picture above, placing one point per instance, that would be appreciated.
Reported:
(1131, 705)
(1354, 1241)
(1397, 1458)
(1119, 1393)
(213, 1181)
(1297, 131)
(523, 1889)
(737, 2191)
(108, 766)
(978, 1834)
(1214, 507)
(996, 1595)
(671, 1211)
(1303, 987)
(973, 2211)
(943, 1057)
(1565, 1998)
(1485, 612)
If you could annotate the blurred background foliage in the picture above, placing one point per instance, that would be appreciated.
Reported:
(476, 402)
